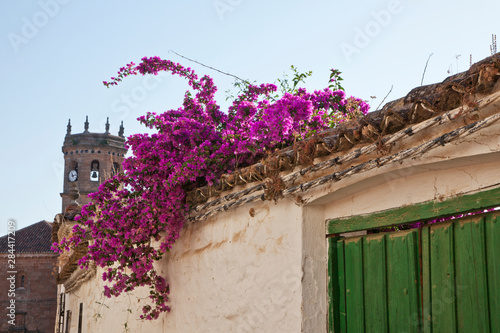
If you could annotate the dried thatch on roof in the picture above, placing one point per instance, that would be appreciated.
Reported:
(423, 107)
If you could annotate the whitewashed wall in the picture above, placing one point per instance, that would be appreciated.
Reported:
(235, 273)
(267, 273)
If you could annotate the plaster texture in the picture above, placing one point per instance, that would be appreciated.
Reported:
(236, 273)
(263, 267)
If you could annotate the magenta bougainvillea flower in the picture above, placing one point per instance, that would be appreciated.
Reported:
(193, 146)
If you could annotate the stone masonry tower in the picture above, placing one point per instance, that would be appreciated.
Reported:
(89, 160)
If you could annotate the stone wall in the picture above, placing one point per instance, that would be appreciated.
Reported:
(35, 295)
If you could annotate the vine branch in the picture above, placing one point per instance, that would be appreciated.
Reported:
(384, 98)
(425, 68)
(212, 68)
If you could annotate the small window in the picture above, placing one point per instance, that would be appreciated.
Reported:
(20, 322)
(116, 168)
(80, 322)
(68, 321)
(21, 280)
(94, 171)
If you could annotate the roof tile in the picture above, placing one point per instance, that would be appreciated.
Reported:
(35, 238)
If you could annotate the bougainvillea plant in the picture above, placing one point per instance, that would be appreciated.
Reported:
(137, 215)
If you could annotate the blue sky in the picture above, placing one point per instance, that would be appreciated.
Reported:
(56, 53)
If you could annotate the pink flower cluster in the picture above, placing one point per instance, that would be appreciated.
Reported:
(193, 146)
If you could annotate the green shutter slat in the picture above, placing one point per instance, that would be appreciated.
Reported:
(442, 278)
(403, 282)
(375, 286)
(337, 286)
(426, 281)
(414, 290)
(355, 321)
(332, 276)
(493, 267)
(471, 284)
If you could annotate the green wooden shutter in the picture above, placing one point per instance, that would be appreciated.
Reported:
(461, 287)
(444, 277)
(375, 283)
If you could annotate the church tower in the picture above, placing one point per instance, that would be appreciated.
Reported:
(89, 160)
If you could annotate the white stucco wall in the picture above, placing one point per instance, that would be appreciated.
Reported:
(266, 271)
(233, 273)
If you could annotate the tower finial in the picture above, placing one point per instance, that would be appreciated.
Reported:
(107, 125)
(122, 129)
(68, 130)
(86, 125)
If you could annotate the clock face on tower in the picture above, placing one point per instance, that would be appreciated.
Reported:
(72, 176)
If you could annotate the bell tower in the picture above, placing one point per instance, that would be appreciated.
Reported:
(89, 160)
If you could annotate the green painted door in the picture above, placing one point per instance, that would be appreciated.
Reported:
(443, 277)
